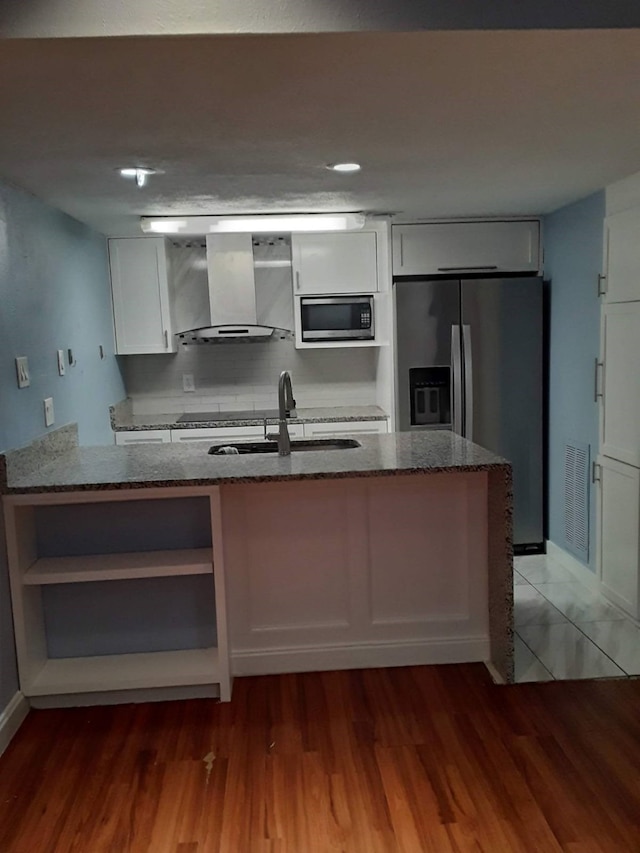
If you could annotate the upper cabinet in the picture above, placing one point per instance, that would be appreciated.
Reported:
(621, 257)
(449, 248)
(344, 262)
(140, 288)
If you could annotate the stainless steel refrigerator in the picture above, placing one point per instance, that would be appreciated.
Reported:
(469, 359)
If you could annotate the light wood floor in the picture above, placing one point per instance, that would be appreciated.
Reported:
(415, 759)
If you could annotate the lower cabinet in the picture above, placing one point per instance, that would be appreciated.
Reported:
(144, 436)
(117, 591)
(250, 433)
(619, 542)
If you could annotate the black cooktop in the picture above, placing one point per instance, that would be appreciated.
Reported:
(246, 415)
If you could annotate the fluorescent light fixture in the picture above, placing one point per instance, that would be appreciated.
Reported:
(267, 224)
(345, 167)
(165, 226)
(140, 173)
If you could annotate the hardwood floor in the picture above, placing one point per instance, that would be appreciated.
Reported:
(375, 761)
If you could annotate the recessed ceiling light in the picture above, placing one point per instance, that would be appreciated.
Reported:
(140, 173)
(344, 167)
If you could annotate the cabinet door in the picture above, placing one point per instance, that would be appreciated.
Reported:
(622, 257)
(344, 428)
(620, 382)
(442, 248)
(140, 288)
(619, 540)
(334, 263)
(144, 436)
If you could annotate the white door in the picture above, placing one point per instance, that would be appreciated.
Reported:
(620, 382)
(334, 263)
(140, 288)
(622, 258)
(440, 248)
(619, 540)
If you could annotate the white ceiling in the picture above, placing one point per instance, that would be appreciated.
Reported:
(444, 123)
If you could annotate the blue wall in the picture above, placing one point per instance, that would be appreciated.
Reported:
(54, 294)
(573, 259)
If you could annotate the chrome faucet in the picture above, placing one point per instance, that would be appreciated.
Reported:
(286, 409)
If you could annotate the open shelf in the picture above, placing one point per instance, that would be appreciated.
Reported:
(108, 567)
(126, 672)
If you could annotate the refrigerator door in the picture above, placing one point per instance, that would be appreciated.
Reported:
(502, 354)
(427, 312)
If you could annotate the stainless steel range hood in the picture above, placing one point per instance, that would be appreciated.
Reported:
(232, 287)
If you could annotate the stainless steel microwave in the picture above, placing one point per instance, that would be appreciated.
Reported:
(336, 318)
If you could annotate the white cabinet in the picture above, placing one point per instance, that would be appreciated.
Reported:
(95, 587)
(622, 258)
(140, 290)
(322, 430)
(619, 382)
(144, 436)
(619, 534)
(441, 248)
(344, 262)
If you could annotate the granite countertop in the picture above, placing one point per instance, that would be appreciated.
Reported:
(118, 467)
(123, 420)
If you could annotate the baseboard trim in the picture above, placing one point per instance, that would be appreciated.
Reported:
(362, 656)
(12, 718)
(571, 564)
(126, 697)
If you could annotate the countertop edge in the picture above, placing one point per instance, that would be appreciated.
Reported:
(264, 478)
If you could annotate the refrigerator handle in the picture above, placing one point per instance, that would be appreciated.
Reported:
(456, 379)
(468, 382)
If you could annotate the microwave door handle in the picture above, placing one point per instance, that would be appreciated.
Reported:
(456, 379)
(468, 382)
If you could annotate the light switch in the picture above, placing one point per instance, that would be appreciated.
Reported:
(22, 371)
(49, 418)
(61, 367)
(188, 383)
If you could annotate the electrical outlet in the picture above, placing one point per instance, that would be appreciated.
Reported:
(188, 383)
(61, 367)
(49, 418)
(22, 371)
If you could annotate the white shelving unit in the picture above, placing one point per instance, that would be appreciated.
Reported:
(30, 572)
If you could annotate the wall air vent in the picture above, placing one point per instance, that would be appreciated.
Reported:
(576, 498)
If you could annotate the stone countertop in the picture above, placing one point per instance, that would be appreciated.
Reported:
(173, 465)
(123, 421)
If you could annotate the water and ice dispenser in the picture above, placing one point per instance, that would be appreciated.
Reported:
(430, 396)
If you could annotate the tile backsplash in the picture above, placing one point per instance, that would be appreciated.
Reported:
(230, 377)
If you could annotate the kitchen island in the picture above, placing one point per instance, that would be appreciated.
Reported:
(395, 552)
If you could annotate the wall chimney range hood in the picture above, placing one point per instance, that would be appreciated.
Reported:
(246, 294)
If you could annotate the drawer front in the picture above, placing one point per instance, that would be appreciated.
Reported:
(144, 436)
(248, 433)
(345, 428)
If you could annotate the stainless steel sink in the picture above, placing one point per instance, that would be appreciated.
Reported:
(246, 447)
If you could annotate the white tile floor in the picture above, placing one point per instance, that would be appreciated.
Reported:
(564, 630)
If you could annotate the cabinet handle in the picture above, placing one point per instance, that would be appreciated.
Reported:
(595, 472)
(602, 280)
(166, 339)
(597, 393)
(297, 280)
(466, 269)
(401, 249)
